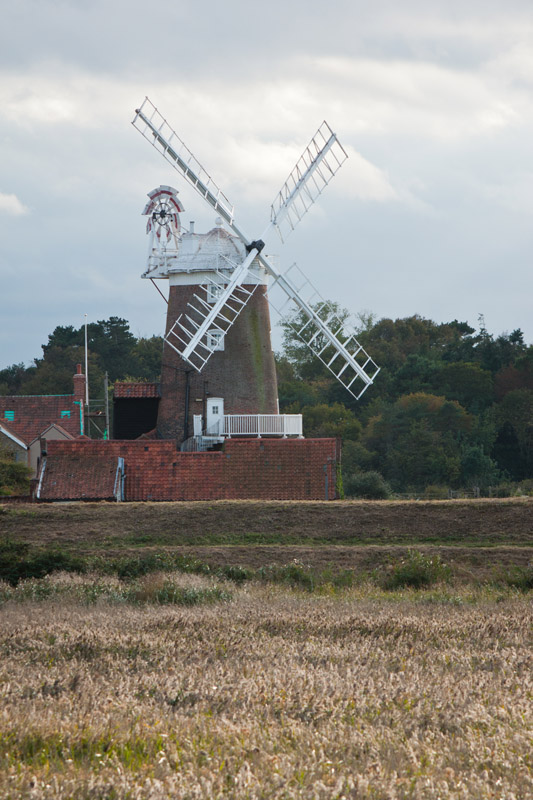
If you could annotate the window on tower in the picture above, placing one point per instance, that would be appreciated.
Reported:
(214, 290)
(215, 340)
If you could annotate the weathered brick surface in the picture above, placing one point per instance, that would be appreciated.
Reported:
(288, 469)
(244, 373)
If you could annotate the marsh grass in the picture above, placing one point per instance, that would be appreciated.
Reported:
(22, 563)
(282, 693)
(157, 588)
(520, 578)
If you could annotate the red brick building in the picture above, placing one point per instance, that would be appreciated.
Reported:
(269, 469)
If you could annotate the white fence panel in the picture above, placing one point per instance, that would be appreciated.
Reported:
(262, 425)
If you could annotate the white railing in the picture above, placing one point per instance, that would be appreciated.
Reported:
(257, 425)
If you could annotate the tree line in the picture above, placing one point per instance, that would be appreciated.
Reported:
(452, 407)
(112, 348)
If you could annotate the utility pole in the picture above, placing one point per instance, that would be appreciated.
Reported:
(106, 394)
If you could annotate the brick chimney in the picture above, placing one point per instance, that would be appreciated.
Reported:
(79, 384)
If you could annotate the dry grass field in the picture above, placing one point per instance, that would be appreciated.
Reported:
(263, 691)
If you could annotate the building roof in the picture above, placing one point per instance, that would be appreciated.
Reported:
(59, 428)
(201, 251)
(29, 415)
(139, 389)
(79, 475)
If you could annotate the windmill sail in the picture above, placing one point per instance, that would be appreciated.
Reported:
(321, 159)
(317, 325)
(192, 334)
(329, 335)
(156, 130)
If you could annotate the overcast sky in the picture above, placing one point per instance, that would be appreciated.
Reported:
(432, 100)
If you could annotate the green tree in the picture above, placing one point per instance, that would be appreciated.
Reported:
(477, 468)
(496, 353)
(391, 342)
(366, 485)
(518, 375)
(111, 347)
(416, 374)
(53, 373)
(416, 441)
(113, 342)
(467, 382)
(65, 336)
(330, 421)
(146, 355)
(306, 365)
(12, 378)
(514, 449)
(355, 457)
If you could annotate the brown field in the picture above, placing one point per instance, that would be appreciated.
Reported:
(275, 694)
(475, 537)
(450, 522)
(115, 690)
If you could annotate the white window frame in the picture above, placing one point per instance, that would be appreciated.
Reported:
(213, 291)
(215, 340)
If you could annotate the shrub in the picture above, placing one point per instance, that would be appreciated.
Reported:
(14, 476)
(235, 573)
(189, 596)
(367, 485)
(416, 570)
(170, 592)
(18, 563)
(525, 487)
(131, 567)
(295, 574)
(520, 578)
(436, 492)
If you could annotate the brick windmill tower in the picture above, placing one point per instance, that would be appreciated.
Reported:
(218, 375)
(232, 372)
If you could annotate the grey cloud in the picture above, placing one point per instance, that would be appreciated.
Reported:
(433, 100)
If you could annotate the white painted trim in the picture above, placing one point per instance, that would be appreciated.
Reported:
(13, 437)
(118, 489)
(41, 476)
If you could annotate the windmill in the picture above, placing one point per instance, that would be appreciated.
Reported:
(218, 296)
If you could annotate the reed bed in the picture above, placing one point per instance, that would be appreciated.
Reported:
(267, 693)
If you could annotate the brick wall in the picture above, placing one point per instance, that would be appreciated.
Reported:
(244, 373)
(287, 469)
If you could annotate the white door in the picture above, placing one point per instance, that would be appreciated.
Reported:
(215, 415)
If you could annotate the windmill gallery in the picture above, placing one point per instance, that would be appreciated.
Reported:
(215, 431)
